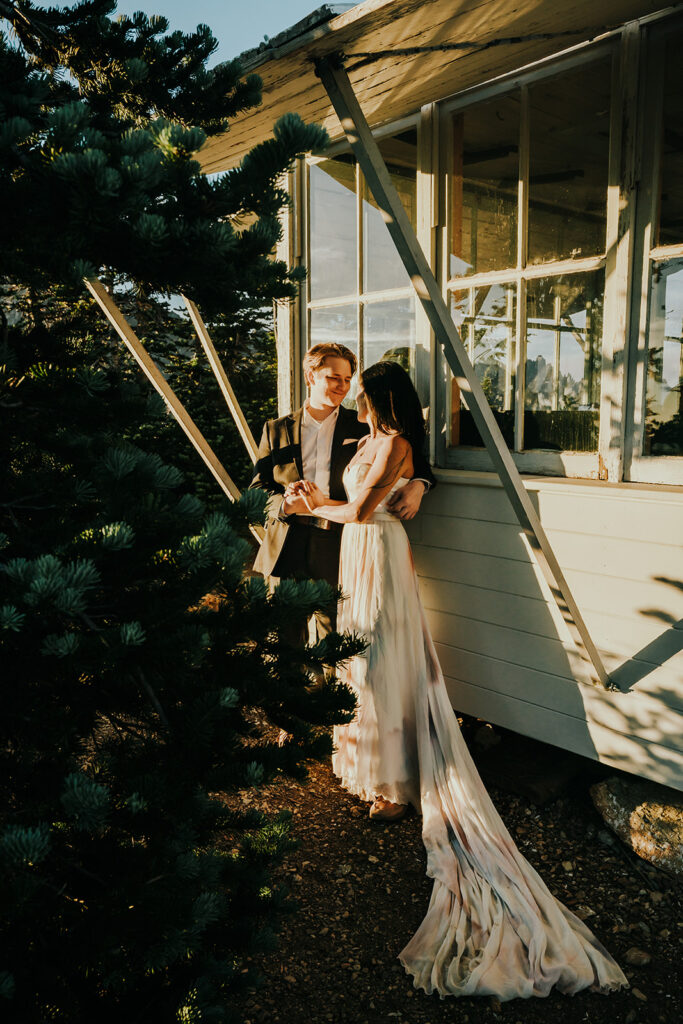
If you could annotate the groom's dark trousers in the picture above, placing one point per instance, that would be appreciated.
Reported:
(302, 547)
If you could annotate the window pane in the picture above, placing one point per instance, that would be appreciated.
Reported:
(382, 267)
(389, 333)
(664, 415)
(337, 324)
(484, 187)
(671, 204)
(486, 320)
(563, 355)
(333, 235)
(568, 158)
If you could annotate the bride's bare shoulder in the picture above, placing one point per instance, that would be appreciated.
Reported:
(393, 445)
(390, 451)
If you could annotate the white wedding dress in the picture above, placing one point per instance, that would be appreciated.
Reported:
(492, 927)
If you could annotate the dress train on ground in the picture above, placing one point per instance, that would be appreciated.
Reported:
(492, 926)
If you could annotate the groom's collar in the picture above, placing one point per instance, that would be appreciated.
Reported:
(307, 419)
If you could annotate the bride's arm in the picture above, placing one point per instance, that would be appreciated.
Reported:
(384, 471)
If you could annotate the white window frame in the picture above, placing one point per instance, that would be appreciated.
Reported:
(540, 462)
(640, 468)
(633, 155)
(359, 297)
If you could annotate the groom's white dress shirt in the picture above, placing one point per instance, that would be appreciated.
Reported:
(316, 447)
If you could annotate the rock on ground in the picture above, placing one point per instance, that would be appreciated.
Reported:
(646, 816)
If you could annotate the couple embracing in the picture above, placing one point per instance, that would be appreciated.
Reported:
(340, 482)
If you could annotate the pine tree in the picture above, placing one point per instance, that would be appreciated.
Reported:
(142, 666)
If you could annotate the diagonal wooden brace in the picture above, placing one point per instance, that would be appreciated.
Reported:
(222, 378)
(331, 72)
(157, 379)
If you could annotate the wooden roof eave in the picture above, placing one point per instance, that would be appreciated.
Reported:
(397, 84)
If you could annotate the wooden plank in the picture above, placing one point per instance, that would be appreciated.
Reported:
(613, 556)
(621, 206)
(222, 378)
(629, 753)
(630, 515)
(477, 570)
(159, 382)
(552, 656)
(504, 540)
(360, 137)
(651, 637)
(619, 558)
(627, 601)
(662, 682)
(504, 643)
(529, 614)
(390, 87)
(645, 715)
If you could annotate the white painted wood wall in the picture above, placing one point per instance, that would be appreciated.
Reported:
(505, 653)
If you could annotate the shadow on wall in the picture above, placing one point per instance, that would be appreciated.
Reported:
(505, 652)
(656, 653)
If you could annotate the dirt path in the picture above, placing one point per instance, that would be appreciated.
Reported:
(362, 892)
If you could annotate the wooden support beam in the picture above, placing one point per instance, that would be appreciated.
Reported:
(222, 378)
(340, 91)
(157, 379)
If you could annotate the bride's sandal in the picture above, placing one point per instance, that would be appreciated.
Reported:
(384, 810)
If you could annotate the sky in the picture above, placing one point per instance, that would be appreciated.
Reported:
(238, 25)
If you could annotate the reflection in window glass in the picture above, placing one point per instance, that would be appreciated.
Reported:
(389, 332)
(664, 410)
(486, 320)
(568, 160)
(562, 379)
(671, 196)
(338, 324)
(382, 266)
(333, 235)
(484, 187)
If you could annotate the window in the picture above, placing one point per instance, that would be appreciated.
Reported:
(527, 225)
(663, 434)
(551, 203)
(359, 292)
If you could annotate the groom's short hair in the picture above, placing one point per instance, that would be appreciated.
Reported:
(317, 354)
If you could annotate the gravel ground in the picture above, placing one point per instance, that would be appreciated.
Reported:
(362, 892)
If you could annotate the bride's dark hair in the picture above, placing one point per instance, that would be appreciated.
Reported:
(393, 402)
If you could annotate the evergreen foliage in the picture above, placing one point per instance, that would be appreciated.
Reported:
(143, 676)
(113, 152)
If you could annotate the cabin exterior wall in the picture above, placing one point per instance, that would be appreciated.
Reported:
(506, 654)
(612, 509)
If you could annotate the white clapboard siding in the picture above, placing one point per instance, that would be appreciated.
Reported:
(505, 652)
(646, 716)
(625, 598)
(647, 638)
(625, 558)
(627, 752)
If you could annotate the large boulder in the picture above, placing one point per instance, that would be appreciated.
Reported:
(646, 816)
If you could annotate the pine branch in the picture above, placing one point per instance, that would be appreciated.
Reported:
(154, 700)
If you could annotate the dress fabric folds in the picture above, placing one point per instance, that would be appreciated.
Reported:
(492, 926)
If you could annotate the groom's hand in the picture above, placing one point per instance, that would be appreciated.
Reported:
(294, 504)
(405, 502)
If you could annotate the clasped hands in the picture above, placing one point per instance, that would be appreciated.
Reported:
(303, 497)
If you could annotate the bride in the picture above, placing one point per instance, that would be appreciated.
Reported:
(492, 926)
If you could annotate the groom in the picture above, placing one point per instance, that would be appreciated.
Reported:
(316, 443)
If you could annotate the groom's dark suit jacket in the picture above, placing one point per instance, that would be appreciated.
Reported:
(287, 549)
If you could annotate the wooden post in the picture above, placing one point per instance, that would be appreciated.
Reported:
(157, 379)
(222, 378)
(338, 87)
